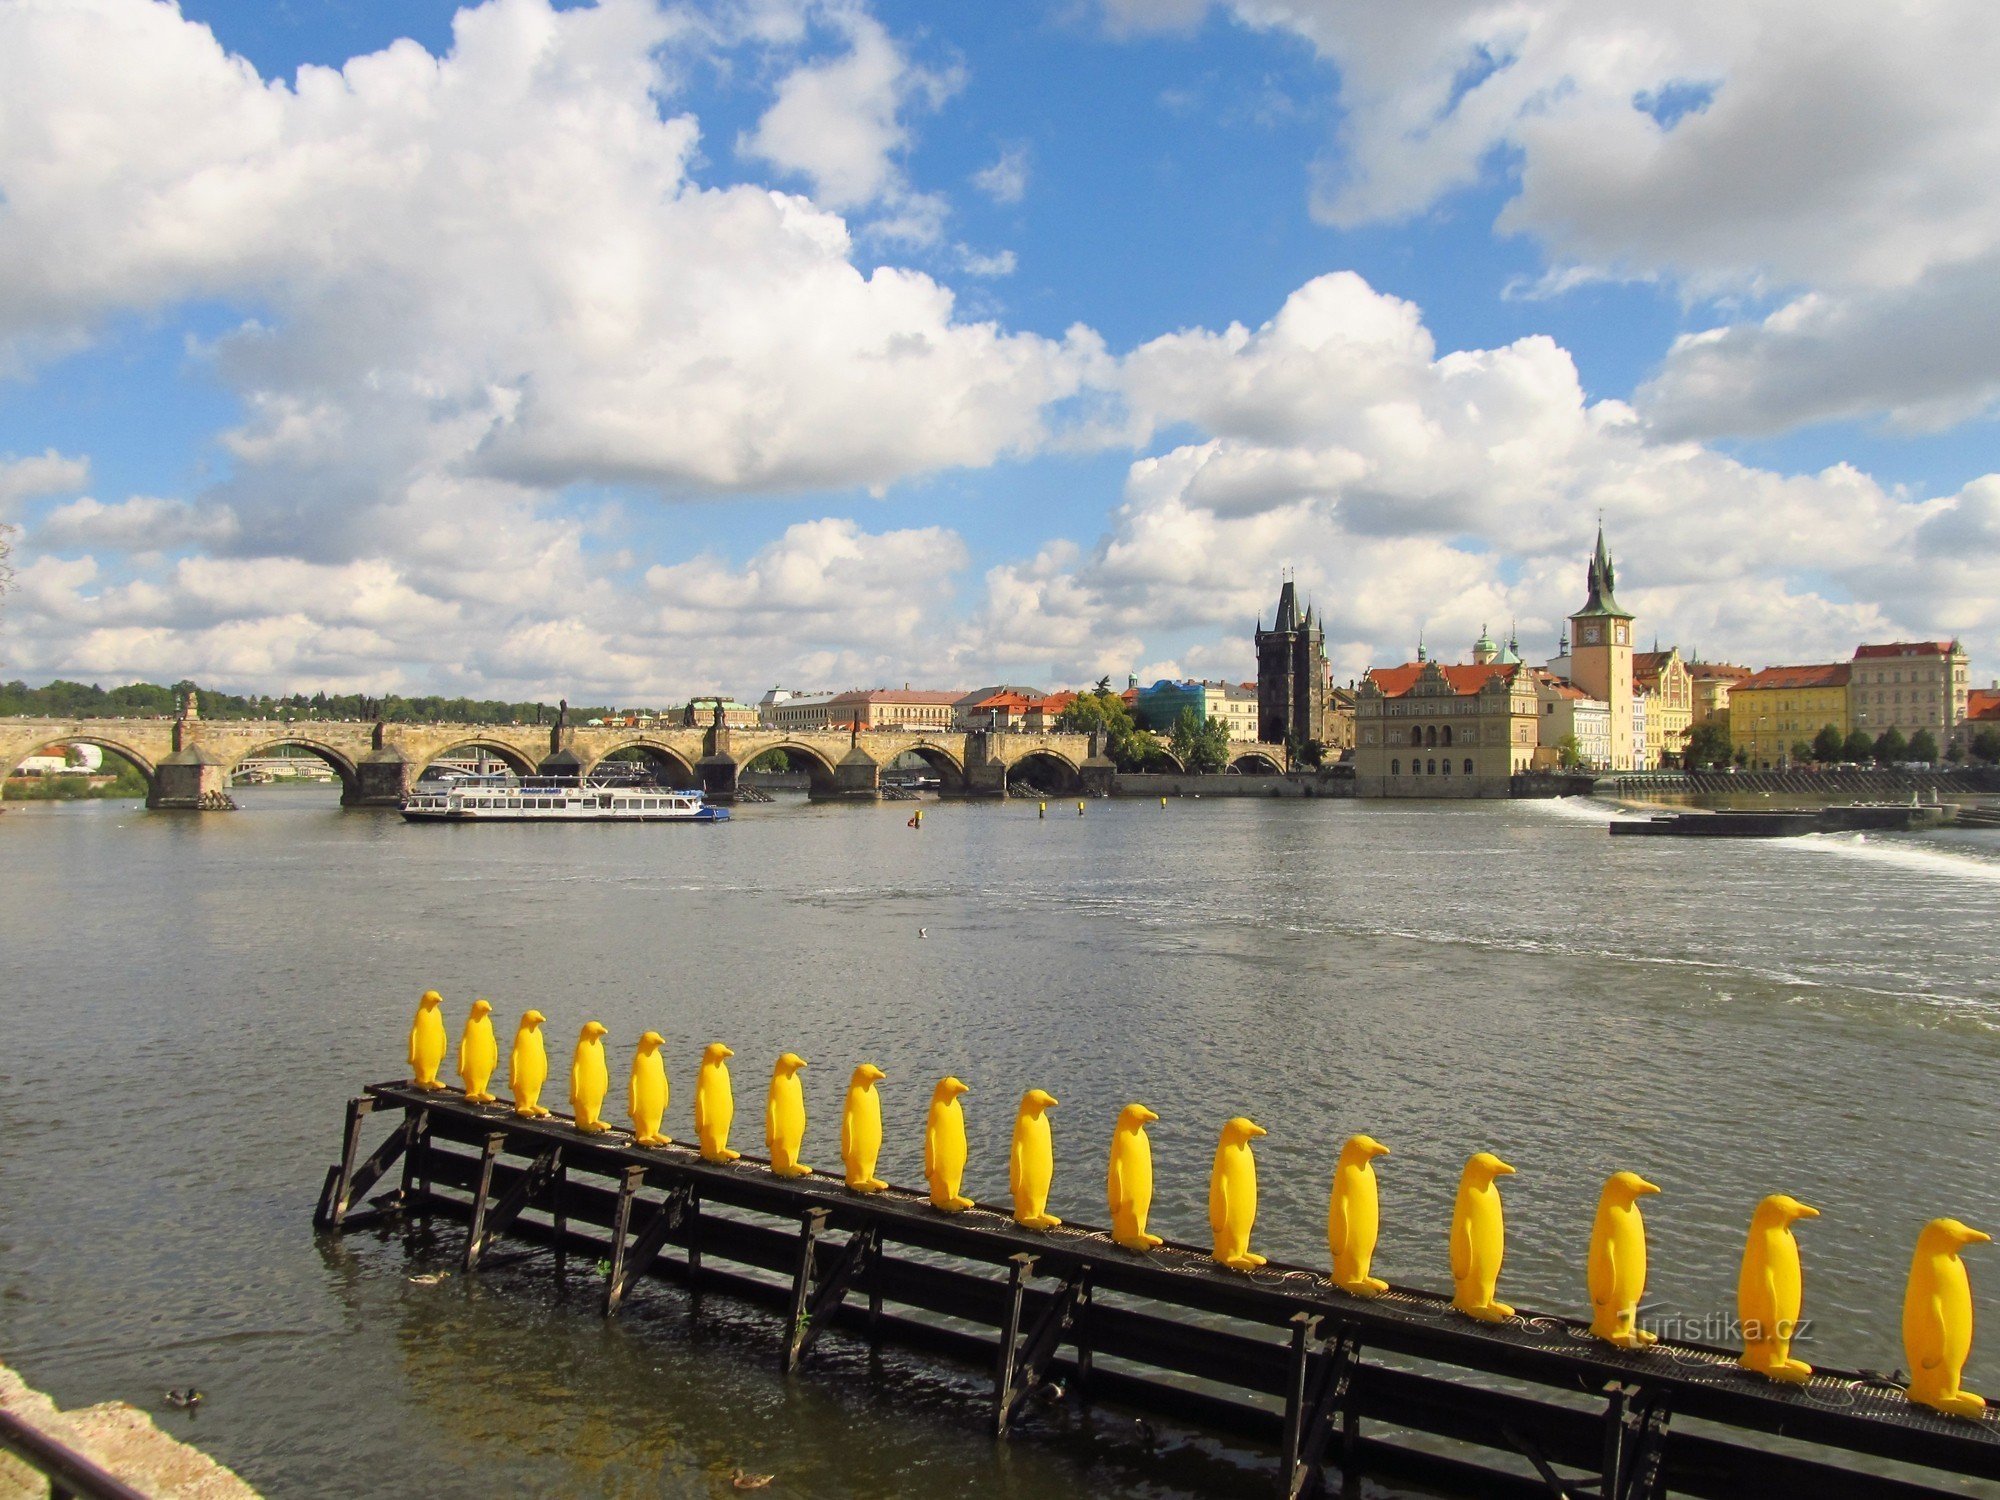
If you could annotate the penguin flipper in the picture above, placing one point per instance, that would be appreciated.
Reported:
(1461, 1248)
(1602, 1272)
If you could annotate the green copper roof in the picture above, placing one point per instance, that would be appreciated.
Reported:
(1603, 581)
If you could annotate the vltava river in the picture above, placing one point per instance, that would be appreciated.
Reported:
(192, 998)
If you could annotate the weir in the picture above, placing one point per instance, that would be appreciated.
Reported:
(1397, 1387)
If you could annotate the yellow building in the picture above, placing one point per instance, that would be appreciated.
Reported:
(1664, 681)
(1713, 681)
(1428, 730)
(1772, 710)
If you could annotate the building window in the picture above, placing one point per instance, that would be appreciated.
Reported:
(1431, 734)
(1416, 735)
(1468, 766)
(1395, 768)
(1447, 765)
(1432, 768)
(1447, 734)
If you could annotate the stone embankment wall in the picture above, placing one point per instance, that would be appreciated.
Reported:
(116, 1437)
(1172, 784)
(1870, 785)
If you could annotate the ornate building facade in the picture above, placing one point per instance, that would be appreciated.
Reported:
(1293, 683)
(1429, 730)
(1600, 649)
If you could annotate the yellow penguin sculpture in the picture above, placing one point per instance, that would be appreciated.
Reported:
(714, 1104)
(427, 1041)
(1031, 1162)
(478, 1053)
(1616, 1267)
(861, 1129)
(1937, 1318)
(646, 1096)
(785, 1117)
(944, 1147)
(1770, 1290)
(1479, 1239)
(1232, 1195)
(589, 1079)
(1128, 1185)
(528, 1066)
(1354, 1217)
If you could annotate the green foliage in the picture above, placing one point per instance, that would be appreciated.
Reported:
(1801, 752)
(1300, 752)
(1102, 711)
(1569, 750)
(1986, 745)
(1708, 745)
(62, 699)
(1202, 744)
(1827, 743)
(1923, 746)
(1890, 746)
(125, 782)
(771, 760)
(1858, 748)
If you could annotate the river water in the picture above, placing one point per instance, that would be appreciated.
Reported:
(192, 998)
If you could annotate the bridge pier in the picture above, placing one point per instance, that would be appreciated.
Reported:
(382, 778)
(856, 778)
(191, 780)
(718, 777)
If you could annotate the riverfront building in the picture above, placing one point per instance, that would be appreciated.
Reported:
(1772, 710)
(1712, 682)
(1665, 688)
(1908, 686)
(1600, 656)
(1424, 729)
(1568, 713)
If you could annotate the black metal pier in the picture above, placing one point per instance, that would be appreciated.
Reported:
(1532, 1407)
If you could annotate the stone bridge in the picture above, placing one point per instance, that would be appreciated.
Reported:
(187, 762)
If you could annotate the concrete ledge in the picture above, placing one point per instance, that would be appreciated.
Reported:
(119, 1438)
(1171, 784)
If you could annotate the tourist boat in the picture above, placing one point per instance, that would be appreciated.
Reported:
(476, 799)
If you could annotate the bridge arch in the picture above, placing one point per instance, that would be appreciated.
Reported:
(818, 768)
(1256, 763)
(344, 768)
(1045, 770)
(499, 750)
(136, 759)
(654, 752)
(949, 768)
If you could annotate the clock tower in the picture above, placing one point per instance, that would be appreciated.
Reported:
(1600, 636)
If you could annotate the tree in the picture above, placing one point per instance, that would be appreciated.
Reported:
(1569, 750)
(1104, 712)
(1801, 752)
(1202, 744)
(1826, 744)
(1986, 745)
(1891, 747)
(1858, 748)
(1300, 752)
(1708, 745)
(1923, 747)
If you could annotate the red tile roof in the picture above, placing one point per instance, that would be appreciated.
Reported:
(1823, 675)
(1904, 648)
(1983, 703)
(897, 695)
(1013, 701)
(1717, 671)
(1396, 681)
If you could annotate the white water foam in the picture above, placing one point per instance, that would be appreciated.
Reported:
(1898, 853)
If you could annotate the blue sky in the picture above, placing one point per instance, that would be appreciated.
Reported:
(370, 383)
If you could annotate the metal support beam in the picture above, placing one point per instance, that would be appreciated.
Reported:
(1022, 1369)
(1318, 1389)
(339, 1190)
(812, 1224)
(1635, 1442)
(628, 1265)
(488, 1223)
(830, 1289)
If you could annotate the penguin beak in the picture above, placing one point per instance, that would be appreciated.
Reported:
(1644, 1187)
(725, 1051)
(1146, 1116)
(1977, 1236)
(872, 1073)
(1374, 1149)
(1256, 1130)
(1501, 1169)
(1807, 1211)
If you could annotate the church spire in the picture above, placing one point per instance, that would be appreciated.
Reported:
(1603, 581)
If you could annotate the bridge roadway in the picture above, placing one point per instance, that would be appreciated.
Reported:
(188, 762)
